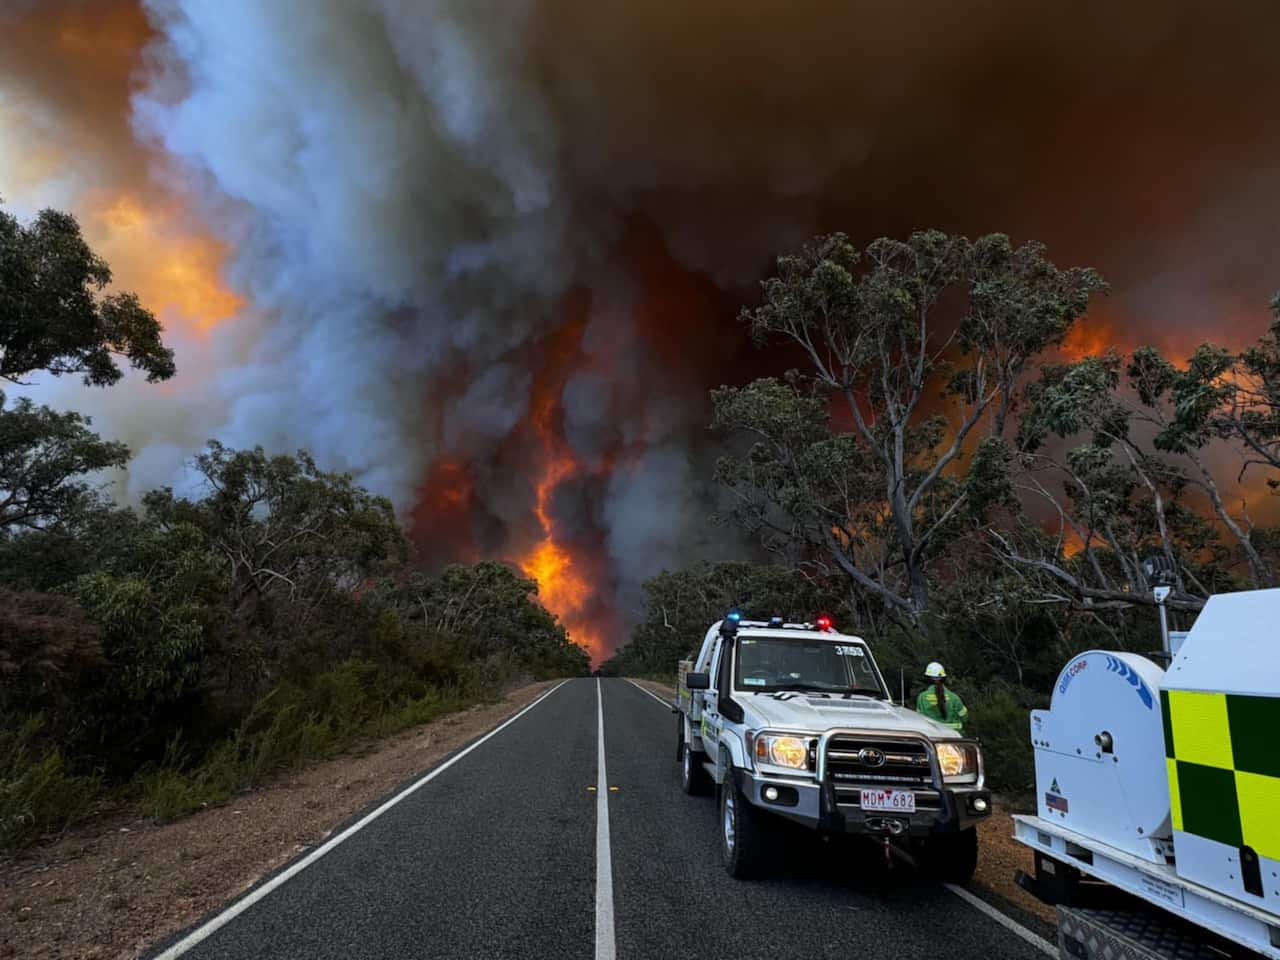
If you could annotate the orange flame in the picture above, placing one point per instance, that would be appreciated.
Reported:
(1088, 337)
(449, 487)
(440, 516)
(563, 587)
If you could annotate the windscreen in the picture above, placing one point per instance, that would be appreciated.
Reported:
(794, 663)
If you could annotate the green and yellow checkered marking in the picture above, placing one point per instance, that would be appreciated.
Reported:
(1223, 756)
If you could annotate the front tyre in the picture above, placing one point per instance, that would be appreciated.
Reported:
(742, 833)
(950, 858)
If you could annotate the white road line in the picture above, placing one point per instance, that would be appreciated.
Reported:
(977, 903)
(649, 692)
(606, 949)
(1039, 942)
(240, 906)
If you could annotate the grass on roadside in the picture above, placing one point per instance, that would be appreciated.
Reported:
(289, 729)
(38, 795)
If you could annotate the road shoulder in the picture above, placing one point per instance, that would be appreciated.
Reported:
(110, 894)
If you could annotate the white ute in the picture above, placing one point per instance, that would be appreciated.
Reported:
(794, 721)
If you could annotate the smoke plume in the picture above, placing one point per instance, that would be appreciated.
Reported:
(490, 252)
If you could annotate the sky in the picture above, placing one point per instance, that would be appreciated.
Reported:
(487, 256)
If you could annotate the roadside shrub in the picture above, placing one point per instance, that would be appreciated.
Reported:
(290, 727)
(38, 796)
(50, 654)
(999, 715)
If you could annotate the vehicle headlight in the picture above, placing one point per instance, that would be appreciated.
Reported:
(790, 752)
(958, 762)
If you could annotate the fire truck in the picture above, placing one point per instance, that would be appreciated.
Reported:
(793, 721)
(1157, 830)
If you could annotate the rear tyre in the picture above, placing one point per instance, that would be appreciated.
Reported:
(743, 833)
(693, 776)
(950, 858)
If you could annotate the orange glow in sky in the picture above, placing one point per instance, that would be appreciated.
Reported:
(174, 271)
(66, 141)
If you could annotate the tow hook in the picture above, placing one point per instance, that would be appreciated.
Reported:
(888, 830)
(889, 827)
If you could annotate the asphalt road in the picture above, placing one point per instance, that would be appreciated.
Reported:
(496, 856)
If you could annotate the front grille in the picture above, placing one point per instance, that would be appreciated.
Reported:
(851, 761)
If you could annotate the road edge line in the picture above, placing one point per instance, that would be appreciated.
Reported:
(212, 926)
(1002, 918)
(649, 692)
(606, 945)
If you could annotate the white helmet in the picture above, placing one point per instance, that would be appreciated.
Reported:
(935, 671)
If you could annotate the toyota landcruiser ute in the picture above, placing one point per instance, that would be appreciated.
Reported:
(793, 721)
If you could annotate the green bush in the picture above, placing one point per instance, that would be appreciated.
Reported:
(38, 796)
(290, 727)
(998, 717)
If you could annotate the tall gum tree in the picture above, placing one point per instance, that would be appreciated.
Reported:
(1128, 454)
(920, 345)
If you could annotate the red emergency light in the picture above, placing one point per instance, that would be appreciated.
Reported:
(824, 623)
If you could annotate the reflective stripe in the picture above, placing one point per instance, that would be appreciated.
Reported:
(1201, 730)
(1174, 800)
(1259, 799)
(1224, 768)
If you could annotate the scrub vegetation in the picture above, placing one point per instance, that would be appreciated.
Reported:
(947, 478)
(172, 654)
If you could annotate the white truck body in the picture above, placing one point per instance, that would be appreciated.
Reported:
(1165, 784)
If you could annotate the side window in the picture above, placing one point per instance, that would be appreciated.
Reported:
(714, 664)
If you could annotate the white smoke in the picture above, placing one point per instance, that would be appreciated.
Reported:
(411, 187)
(394, 205)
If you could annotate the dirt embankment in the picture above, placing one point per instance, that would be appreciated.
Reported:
(112, 890)
(1000, 856)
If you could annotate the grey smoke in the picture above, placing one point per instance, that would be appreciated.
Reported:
(411, 188)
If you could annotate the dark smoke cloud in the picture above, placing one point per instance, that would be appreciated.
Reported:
(421, 194)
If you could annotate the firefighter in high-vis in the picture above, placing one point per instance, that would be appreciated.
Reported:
(939, 702)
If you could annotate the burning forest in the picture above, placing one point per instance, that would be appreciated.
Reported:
(488, 257)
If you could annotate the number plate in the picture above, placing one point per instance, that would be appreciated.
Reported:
(889, 801)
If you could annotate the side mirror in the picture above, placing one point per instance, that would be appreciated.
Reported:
(697, 681)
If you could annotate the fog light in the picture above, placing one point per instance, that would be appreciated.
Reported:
(771, 793)
(980, 805)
